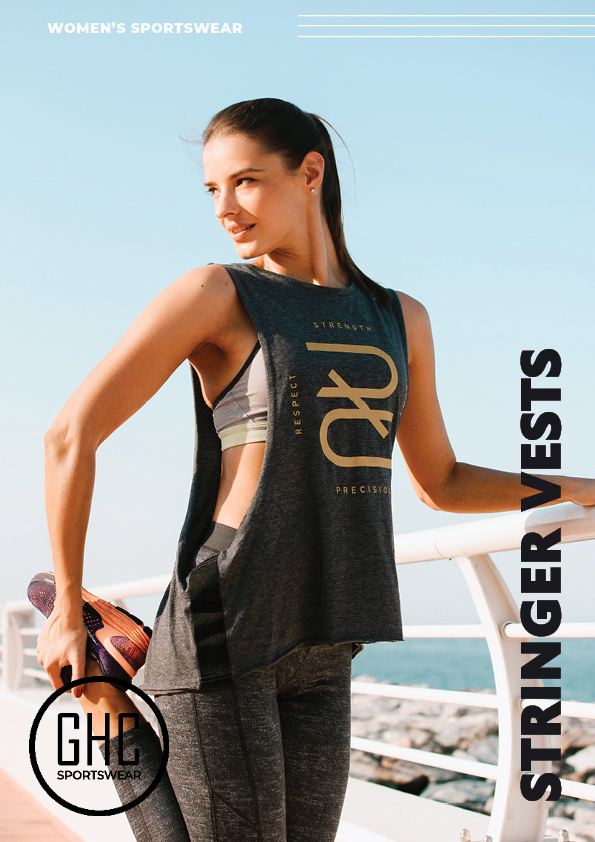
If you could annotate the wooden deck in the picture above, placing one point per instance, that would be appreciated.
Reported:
(22, 819)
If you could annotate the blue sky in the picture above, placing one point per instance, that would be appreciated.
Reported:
(469, 184)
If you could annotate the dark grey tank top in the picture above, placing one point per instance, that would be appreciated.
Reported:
(313, 558)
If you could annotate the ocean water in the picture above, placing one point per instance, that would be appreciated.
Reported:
(465, 664)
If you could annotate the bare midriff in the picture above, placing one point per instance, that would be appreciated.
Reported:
(240, 470)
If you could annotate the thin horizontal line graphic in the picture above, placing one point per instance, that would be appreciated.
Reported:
(453, 25)
(446, 36)
(446, 16)
(560, 25)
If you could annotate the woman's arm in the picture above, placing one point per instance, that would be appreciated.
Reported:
(439, 479)
(191, 313)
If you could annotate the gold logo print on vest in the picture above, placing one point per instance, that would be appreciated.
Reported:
(357, 395)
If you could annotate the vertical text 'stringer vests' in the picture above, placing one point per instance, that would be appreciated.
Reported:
(313, 559)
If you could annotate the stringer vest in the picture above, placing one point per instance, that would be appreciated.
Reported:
(313, 558)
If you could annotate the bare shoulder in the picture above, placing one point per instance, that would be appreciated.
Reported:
(205, 295)
(417, 324)
(210, 282)
(413, 310)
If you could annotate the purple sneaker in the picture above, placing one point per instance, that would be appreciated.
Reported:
(117, 639)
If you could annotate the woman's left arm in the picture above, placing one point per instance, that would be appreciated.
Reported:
(439, 479)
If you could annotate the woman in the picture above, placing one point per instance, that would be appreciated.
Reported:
(302, 367)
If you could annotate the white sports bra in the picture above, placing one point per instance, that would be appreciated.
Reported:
(240, 411)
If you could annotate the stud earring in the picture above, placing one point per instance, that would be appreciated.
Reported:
(312, 190)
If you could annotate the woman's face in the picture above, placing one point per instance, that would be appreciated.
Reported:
(263, 207)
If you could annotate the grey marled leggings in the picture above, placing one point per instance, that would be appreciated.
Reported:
(263, 759)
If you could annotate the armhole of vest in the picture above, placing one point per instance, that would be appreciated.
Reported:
(398, 309)
(401, 319)
(240, 373)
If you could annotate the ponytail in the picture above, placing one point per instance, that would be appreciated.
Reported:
(333, 213)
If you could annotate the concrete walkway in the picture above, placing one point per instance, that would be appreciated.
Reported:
(374, 813)
(22, 819)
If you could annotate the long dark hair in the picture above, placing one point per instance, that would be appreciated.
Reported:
(284, 128)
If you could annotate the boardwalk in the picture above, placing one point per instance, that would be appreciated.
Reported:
(22, 819)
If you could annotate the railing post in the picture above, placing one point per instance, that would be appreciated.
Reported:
(514, 819)
(4, 646)
(12, 646)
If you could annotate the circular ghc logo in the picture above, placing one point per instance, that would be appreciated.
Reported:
(61, 751)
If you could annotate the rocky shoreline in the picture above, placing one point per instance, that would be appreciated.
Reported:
(468, 732)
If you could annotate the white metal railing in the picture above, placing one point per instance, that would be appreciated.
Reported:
(513, 818)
